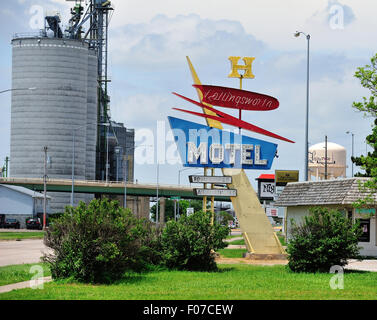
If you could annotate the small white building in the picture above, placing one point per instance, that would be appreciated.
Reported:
(21, 203)
(299, 197)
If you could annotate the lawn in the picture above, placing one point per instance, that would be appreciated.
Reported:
(233, 282)
(231, 253)
(237, 242)
(21, 235)
(19, 273)
(234, 236)
(242, 241)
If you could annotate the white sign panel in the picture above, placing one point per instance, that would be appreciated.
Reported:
(272, 212)
(216, 192)
(210, 179)
(189, 211)
(267, 189)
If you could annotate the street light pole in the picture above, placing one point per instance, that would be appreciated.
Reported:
(352, 147)
(18, 89)
(44, 187)
(297, 34)
(73, 166)
(107, 155)
(157, 193)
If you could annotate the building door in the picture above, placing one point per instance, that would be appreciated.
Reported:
(365, 227)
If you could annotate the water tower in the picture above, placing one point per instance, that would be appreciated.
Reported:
(327, 160)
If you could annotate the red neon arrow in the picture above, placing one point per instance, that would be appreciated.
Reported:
(228, 119)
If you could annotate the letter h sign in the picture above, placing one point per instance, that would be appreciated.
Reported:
(247, 67)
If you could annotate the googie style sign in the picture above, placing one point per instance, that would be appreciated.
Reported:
(202, 146)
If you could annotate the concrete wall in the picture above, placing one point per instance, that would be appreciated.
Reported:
(138, 205)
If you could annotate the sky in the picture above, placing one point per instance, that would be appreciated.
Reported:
(150, 39)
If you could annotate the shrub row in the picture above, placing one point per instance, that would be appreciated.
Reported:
(99, 242)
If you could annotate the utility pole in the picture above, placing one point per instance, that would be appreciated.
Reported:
(6, 166)
(44, 187)
(325, 157)
(157, 192)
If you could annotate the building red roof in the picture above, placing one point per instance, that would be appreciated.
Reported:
(266, 176)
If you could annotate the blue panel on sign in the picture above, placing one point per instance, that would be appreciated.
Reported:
(202, 146)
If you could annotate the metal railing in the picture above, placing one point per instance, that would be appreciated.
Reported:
(34, 34)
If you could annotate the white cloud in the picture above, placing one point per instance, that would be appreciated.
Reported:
(163, 41)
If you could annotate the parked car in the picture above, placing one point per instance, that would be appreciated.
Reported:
(11, 223)
(34, 224)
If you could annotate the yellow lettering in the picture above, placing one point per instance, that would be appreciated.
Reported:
(247, 67)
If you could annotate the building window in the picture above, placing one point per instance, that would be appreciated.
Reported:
(365, 227)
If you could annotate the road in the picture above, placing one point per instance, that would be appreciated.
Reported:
(19, 252)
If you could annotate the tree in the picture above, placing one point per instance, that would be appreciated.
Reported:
(325, 238)
(225, 217)
(368, 79)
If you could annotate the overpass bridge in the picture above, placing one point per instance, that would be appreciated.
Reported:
(110, 188)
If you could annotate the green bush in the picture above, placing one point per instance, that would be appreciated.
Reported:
(325, 238)
(190, 242)
(98, 242)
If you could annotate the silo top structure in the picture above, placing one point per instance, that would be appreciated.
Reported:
(332, 166)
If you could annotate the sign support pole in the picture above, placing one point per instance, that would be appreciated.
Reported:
(205, 197)
(240, 110)
(212, 199)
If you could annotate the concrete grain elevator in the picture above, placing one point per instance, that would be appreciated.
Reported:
(68, 106)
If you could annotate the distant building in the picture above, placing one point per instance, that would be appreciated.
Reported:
(21, 203)
(120, 154)
(340, 194)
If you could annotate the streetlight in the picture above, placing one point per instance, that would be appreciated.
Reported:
(184, 169)
(297, 34)
(349, 132)
(73, 155)
(14, 89)
(157, 191)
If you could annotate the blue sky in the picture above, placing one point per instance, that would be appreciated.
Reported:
(149, 42)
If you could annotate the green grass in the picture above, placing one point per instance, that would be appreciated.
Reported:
(19, 273)
(236, 282)
(21, 235)
(281, 238)
(237, 242)
(234, 236)
(242, 241)
(232, 253)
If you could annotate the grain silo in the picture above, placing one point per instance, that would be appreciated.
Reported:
(64, 74)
